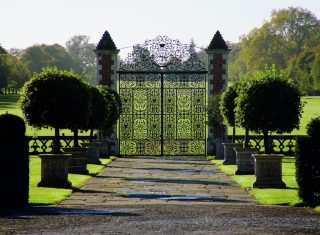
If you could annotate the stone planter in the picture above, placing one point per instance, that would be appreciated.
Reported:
(93, 152)
(245, 160)
(54, 171)
(104, 149)
(268, 171)
(220, 148)
(229, 153)
(78, 160)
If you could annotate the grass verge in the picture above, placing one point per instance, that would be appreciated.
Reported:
(287, 196)
(42, 195)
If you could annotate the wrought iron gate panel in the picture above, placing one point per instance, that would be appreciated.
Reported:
(164, 102)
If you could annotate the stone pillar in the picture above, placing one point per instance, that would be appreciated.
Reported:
(107, 66)
(217, 62)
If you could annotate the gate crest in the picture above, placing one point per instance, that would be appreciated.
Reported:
(162, 54)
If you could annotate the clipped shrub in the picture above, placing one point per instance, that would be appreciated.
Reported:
(215, 118)
(228, 105)
(99, 111)
(14, 174)
(308, 170)
(313, 128)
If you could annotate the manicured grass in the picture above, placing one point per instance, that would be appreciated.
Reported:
(287, 196)
(42, 195)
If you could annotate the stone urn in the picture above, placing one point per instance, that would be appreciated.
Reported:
(93, 152)
(245, 160)
(54, 171)
(229, 153)
(268, 171)
(78, 160)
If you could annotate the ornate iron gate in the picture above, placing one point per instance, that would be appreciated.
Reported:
(162, 84)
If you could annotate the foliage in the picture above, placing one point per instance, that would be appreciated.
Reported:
(313, 128)
(82, 52)
(290, 40)
(15, 173)
(269, 103)
(228, 105)
(308, 169)
(52, 98)
(214, 112)
(114, 102)
(38, 57)
(2, 50)
(99, 110)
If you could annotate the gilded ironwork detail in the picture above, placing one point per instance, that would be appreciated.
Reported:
(162, 84)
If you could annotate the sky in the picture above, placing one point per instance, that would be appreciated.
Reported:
(24, 23)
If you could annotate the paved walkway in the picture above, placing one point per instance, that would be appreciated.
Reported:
(158, 181)
(158, 196)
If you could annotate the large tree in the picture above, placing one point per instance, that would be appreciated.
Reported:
(284, 40)
(40, 56)
(81, 50)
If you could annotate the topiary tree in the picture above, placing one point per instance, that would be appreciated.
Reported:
(99, 110)
(269, 103)
(14, 174)
(215, 117)
(80, 108)
(313, 128)
(114, 105)
(228, 107)
(50, 98)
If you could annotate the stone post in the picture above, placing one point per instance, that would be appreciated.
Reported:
(107, 66)
(217, 62)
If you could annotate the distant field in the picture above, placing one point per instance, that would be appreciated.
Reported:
(9, 103)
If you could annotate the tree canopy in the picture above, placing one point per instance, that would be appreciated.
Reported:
(290, 40)
(269, 103)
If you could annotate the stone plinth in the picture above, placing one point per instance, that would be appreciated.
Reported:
(54, 171)
(229, 153)
(93, 152)
(78, 160)
(245, 161)
(268, 171)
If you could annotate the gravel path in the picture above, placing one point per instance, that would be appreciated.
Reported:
(157, 196)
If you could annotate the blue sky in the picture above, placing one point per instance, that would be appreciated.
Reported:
(27, 22)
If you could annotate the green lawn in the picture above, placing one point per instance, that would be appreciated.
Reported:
(42, 195)
(287, 196)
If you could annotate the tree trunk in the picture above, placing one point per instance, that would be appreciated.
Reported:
(56, 143)
(266, 142)
(246, 138)
(91, 136)
(233, 134)
(75, 138)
